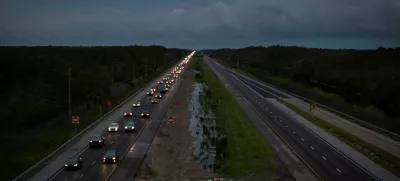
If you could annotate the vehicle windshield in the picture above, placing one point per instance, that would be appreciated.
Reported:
(145, 111)
(130, 123)
(95, 138)
(110, 154)
(72, 160)
(114, 124)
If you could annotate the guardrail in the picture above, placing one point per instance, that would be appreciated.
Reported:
(382, 131)
(87, 128)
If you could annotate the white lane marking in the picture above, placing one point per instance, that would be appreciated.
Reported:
(287, 126)
(275, 116)
(270, 112)
(302, 139)
(81, 175)
(280, 120)
(112, 142)
(118, 134)
(55, 175)
(338, 170)
(266, 109)
(294, 132)
(93, 162)
(312, 147)
(323, 158)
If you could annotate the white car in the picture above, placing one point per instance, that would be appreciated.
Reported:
(113, 127)
(136, 104)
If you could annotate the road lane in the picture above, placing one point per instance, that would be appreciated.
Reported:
(330, 164)
(92, 163)
(132, 161)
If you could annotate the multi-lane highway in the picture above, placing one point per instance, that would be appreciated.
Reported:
(327, 162)
(93, 167)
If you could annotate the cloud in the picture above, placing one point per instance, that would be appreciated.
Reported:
(366, 23)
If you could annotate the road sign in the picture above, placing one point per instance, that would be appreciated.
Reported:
(171, 120)
(218, 179)
(75, 119)
(313, 106)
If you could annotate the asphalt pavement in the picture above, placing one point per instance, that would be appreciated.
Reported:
(93, 167)
(328, 163)
(130, 165)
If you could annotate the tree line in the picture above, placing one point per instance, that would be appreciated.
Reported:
(35, 79)
(367, 80)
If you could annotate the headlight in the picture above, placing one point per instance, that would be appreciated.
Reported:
(141, 114)
(75, 165)
(104, 158)
(100, 140)
(109, 129)
(114, 158)
(126, 127)
(148, 114)
(90, 141)
(133, 127)
(66, 165)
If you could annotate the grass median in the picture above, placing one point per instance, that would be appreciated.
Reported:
(245, 152)
(378, 155)
(51, 139)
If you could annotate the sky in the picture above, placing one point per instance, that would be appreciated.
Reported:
(200, 24)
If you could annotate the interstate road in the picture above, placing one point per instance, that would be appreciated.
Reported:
(328, 163)
(92, 168)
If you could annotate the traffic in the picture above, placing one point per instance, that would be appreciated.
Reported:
(122, 131)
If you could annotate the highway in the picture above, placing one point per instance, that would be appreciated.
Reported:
(327, 162)
(93, 168)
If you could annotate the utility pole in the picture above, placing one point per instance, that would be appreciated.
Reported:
(133, 70)
(146, 66)
(112, 72)
(69, 92)
(154, 64)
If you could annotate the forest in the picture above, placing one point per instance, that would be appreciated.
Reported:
(34, 92)
(362, 83)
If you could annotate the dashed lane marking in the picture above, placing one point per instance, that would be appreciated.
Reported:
(338, 170)
(294, 132)
(312, 147)
(93, 162)
(323, 158)
(81, 175)
(302, 139)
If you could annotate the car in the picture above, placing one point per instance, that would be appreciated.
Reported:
(130, 126)
(165, 78)
(128, 114)
(154, 101)
(145, 113)
(160, 82)
(136, 104)
(150, 93)
(113, 127)
(158, 96)
(97, 141)
(153, 90)
(167, 85)
(73, 163)
(111, 156)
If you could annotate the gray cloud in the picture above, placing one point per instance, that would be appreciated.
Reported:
(321, 23)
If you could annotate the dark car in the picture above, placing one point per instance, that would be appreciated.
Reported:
(128, 114)
(160, 82)
(168, 85)
(145, 113)
(96, 141)
(111, 156)
(73, 163)
(158, 96)
(150, 93)
(154, 101)
(130, 126)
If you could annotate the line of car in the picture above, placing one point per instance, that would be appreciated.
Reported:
(112, 156)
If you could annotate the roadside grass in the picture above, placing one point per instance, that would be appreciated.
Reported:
(245, 152)
(378, 155)
(48, 140)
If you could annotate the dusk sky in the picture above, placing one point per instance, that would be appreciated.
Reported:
(198, 24)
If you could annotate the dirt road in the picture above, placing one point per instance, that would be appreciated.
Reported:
(170, 156)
